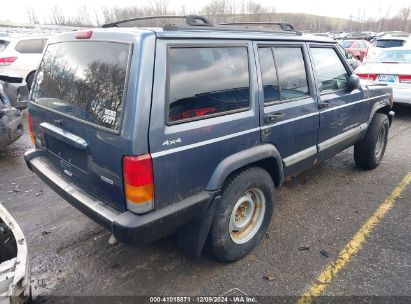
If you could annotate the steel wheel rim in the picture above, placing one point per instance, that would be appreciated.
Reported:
(247, 216)
(379, 147)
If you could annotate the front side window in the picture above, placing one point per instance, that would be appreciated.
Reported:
(331, 73)
(207, 81)
(291, 72)
(30, 46)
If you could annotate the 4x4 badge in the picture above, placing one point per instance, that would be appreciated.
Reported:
(172, 142)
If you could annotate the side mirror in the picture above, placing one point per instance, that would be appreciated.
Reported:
(348, 55)
(353, 83)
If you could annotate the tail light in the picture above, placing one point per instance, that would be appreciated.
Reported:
(138, 183)
(30, 126)
(367, 76)
(405, 79)
(7, 60)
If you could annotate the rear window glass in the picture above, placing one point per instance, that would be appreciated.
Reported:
(389, 43)
(207, 81)
(3, 44)
(85, 80)
(346, 43)
(30, 46)
(394, 56)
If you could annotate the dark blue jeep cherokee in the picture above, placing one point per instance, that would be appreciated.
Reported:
(190, 128)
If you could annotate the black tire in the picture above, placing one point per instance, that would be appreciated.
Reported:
(220, 242)
(29, 80)
(366, 155)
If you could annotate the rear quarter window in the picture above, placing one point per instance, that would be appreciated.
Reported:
(206, 82)
(30, 46)
(84, 80)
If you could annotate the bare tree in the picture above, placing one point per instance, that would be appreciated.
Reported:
(57, 16)
(31, 12)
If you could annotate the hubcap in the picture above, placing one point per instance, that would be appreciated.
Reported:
(379, 147)
(247, 216)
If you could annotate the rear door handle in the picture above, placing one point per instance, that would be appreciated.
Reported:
(270, 118)
(325, 105)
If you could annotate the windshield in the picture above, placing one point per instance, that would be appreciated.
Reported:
(85, 80)
(389, 43)
(394, 56)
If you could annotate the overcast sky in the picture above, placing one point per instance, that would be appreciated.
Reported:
(16, 10)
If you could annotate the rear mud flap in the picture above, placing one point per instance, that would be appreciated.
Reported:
(192, 237)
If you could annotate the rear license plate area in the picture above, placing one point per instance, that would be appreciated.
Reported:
(387, 78)
(68, 155)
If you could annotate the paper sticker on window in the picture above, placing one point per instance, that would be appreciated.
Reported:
(109, 116)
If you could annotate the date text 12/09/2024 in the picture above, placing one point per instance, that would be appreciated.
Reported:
(205, 299)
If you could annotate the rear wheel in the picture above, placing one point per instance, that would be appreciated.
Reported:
(369, 153)
(243, 214)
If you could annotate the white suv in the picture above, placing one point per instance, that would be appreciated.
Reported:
(388, 41)
(20, 57)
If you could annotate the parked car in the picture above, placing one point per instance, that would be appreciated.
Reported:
(388, 41)
(191, 128)
(358, 48)
(392, 68)
(15, 88)
(11, 125)
(14, 262)
(21, 56)
(354, 63)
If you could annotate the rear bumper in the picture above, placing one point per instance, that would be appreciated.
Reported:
(127, 227)
(401, 95)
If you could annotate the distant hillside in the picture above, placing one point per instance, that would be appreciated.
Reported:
(316, 23)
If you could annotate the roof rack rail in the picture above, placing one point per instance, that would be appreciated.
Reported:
(195, 22)
(191, 20)
(283, 25)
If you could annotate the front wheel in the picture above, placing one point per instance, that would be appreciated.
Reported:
(243, 214)
(369, 152)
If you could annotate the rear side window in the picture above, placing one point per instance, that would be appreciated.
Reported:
(389, 43)
(291, 72)
(283, 73)
(30, 46)
(331, 73)
(269, 75)
(84, 80)
(207, 81)
(3, 44)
